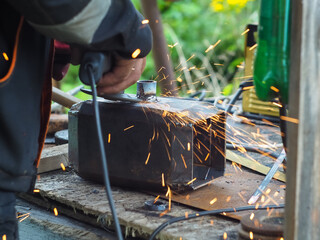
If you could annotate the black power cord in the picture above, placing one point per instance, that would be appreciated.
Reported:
(91, 71)
(211, 212)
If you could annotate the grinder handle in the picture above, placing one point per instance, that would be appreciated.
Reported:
(100, 64)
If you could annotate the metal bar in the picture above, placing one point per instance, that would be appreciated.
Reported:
(254, 198)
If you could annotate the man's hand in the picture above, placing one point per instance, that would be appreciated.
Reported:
(124, 73)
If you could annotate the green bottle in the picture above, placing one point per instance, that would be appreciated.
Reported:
(272, 62)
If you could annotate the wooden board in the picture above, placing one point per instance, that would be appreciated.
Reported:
(67, 190)
(52, 157)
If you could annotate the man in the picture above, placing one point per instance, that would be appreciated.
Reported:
(26, 32)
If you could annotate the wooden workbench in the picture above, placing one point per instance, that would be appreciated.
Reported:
(87, 202)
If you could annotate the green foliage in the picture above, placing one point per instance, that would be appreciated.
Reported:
(191, 26)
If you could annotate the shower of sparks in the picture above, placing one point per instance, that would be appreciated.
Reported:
(128, 128)
(136, 53)
(247, 30)
(5, 56)
(62, 167)
(55, 211)
(253, 47)
(145, 21)
(212, 46)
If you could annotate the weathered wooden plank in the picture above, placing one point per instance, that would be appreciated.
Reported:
(304, 186)
(51, 158)
(68, 189)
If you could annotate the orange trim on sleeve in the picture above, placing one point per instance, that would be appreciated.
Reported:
(14, 55)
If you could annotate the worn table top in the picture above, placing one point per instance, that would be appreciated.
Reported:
(87, 201)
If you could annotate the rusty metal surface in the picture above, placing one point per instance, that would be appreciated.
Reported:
(150, 144)
(231, 191)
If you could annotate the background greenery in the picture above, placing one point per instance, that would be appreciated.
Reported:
(191, 26)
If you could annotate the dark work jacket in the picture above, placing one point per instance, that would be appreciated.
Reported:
(26, 32)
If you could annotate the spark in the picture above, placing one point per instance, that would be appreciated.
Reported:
(5, 56)
(247, 30)
(191, 181)
(62, 166)
(172, 46)
(207, 157)
(274, 89)
(24, 217)
(240, 66)
(156, 199)
(282, 238)
(211, 222)
(147, 159)
(253, 47)
(289, 119)
(192, 56)
(145, 21)
(128, 128)
(109, 137)
(184, 162)
(163, 213)
(188, 197)
(225, 235)
(162, 177)
(247, 88)
(251, 216)
(268, 191)
(55, 211)
(212, 46)
(36, 190)
(257, 206)
(213, 201)
(251, 235)
(277, 104)
(186, 215)
(218, 64)
(179, 79)
(136, 53)
(170, 197)
(4, 237)
(228, 198)
(189, 147)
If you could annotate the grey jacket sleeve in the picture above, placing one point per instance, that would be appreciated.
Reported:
(101, 25)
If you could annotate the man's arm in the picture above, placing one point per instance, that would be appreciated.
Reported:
(100, 25)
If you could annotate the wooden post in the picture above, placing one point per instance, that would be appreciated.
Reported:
(303, 178)
(167, 80)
